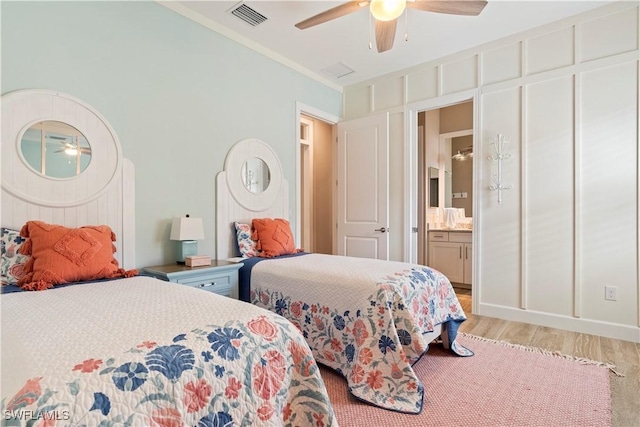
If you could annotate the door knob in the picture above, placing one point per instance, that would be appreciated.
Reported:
(382, 230)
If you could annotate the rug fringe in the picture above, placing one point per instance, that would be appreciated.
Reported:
(581, 360)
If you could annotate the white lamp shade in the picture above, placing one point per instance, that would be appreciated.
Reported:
(187, 228)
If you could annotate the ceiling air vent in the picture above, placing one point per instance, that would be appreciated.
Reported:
(247, 14)
(338, 70)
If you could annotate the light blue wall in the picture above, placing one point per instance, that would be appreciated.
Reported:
(177, 94)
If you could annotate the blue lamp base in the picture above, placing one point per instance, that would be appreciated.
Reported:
(187, 248)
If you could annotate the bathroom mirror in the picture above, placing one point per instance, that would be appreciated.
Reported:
(434, 185)
(459, 193)
(255, 175)
(55, 149)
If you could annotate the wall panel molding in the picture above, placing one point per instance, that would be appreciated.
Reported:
(557, 84)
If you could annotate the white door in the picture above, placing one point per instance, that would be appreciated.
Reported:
(363, 187)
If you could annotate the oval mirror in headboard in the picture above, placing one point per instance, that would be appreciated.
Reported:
(255, 175)
(236, 201)
(24, 109)
(55, 149)
(236, 169)
(91, 192)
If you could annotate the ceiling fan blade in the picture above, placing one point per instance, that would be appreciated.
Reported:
(385, 34)
(333, 13)
(452, 7)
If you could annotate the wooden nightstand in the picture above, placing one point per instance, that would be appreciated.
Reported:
(221, 277)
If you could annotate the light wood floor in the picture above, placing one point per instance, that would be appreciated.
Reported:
(625, 391)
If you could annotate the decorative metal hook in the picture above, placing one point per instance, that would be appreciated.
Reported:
(499, 148)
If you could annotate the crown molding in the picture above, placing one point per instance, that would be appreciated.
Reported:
(230, 34)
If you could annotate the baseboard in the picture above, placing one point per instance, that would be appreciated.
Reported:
(585, 326)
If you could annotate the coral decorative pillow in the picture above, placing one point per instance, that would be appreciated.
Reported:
(246, 244)
(274, 237)
(61, 255)
(13, 262)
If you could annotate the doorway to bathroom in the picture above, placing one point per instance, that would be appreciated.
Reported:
(445, 191)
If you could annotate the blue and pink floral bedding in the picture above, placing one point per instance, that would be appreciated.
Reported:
(142, 352)
(365, 318)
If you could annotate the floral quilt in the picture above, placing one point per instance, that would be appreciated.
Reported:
(365, 318)
(139, 351)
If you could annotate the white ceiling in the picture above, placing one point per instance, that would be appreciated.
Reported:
(346, 39)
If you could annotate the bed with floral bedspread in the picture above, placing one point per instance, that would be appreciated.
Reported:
(365, 318)
(140, 351)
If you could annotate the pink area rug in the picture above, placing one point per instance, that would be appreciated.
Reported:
(501, 385)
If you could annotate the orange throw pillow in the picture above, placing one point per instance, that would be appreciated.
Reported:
(62, 255)
(274, 237)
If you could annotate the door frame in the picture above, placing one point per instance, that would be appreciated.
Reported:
(331, 119)
(411, 176)
(306, 180)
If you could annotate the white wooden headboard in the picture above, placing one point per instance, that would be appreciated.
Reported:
(234, 202)
(104, 193)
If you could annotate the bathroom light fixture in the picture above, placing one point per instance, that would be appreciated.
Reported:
(458, 156)
(187, 230)
(387, 10)
(462, 155)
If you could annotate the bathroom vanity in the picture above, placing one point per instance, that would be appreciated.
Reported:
(450, 253)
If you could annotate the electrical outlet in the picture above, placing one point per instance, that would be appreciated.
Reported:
(611, 293)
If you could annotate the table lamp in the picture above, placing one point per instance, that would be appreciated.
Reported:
(187, 230)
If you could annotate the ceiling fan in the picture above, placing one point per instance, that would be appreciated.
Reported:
(70, 148)
(386, 13)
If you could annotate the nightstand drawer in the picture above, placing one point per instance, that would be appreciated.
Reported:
(220, 277)
(219, 284)
(216, 287)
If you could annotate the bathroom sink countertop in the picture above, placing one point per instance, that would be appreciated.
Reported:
(468, 230)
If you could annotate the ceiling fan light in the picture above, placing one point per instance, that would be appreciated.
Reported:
(387, 10)
(71, 151)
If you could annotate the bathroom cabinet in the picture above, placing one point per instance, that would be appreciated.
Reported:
(450, 253)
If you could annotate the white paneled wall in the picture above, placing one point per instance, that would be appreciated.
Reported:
(566, 95)
(502, 64)
(422, 84)
(548, 206)
(459, 75)
(608, 202)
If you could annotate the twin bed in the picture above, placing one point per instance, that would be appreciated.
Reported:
(133, 351)
(138, 350)
(368, 319)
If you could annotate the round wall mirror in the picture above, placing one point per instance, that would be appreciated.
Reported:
(55, 149)
(255, 175)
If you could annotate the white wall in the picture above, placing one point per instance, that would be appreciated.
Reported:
(566, 95)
